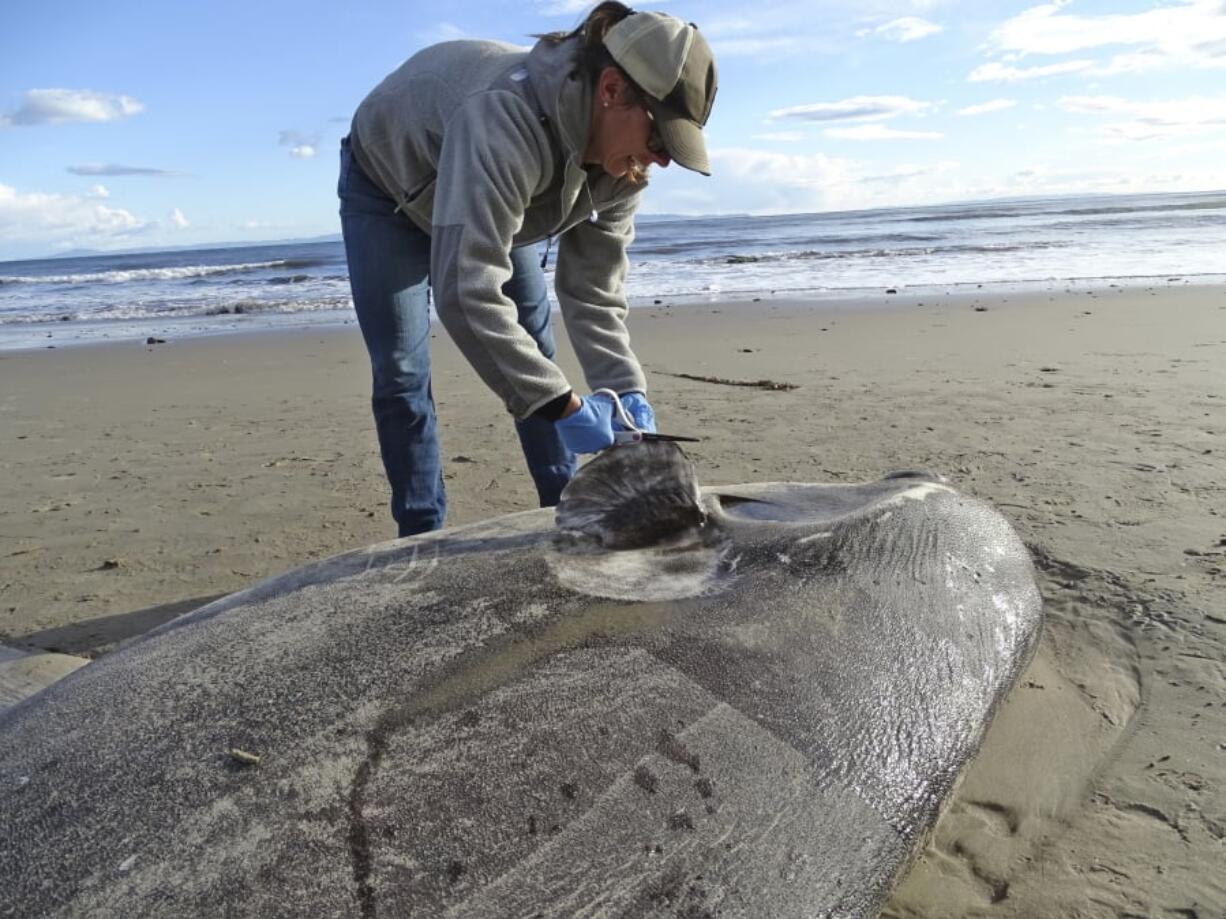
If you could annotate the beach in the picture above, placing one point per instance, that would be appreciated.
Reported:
(140, 481)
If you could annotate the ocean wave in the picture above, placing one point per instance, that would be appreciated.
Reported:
(834, 255)
(1059, 209)
(712, 245)
(1126, 221)
(736, 286)
(124, 276)
(165, 311)
(249, 306)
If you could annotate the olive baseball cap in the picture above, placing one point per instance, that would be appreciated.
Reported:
(673, 64)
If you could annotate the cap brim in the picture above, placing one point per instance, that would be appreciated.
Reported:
(682, 138)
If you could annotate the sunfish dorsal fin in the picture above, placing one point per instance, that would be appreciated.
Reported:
(632, 497)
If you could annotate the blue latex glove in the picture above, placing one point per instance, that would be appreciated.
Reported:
(639, 410)
(590, 428)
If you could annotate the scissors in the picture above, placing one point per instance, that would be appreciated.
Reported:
(636, 437)
(632, 434)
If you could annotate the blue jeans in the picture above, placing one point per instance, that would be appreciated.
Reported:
(389, 265)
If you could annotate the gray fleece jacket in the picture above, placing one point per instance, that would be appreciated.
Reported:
(480, 144)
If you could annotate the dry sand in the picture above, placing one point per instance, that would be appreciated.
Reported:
(138, 482)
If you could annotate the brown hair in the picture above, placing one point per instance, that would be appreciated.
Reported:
(593, 57)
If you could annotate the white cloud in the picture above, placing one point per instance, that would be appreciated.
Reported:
(1150, 120)
(98, 191)
(559, 7)
(59, 106)
(780, 182)
(789, 28)
(1048, 179)
(906, 29)
(1138, 62)
(1046, 30)
(906, 173)
(782, 136)
(792, 27)
(177, 220)
(1093, 105)
(443, 31)
(302, 146)
(35, 218)
(1187, 32)
(752, 47)
(983, 108)
(994, 71)
(795, 170)
(856, 108)
(768, 182)
(879, 132)
(113, 169)
(1179, 151)
(772, 32)
(725, 25)
(265, 226)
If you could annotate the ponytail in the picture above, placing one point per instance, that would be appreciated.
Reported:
(594, 28)
(593, 57)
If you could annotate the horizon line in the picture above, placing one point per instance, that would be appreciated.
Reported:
(335, 236)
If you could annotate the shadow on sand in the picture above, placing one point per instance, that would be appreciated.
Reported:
(96, 637)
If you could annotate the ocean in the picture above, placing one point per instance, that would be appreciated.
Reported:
(1038, 242)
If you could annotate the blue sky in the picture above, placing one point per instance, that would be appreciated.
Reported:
(127, 124)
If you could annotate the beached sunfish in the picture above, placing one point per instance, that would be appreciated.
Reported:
(731, 701)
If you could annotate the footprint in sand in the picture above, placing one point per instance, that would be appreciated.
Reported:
(1061, 725)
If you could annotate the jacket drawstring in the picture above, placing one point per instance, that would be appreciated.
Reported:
(587, 184)
(595, 215)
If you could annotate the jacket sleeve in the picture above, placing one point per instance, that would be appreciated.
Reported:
(495, 156)
(590, 283)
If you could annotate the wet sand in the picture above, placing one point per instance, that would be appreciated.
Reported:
(140, 481)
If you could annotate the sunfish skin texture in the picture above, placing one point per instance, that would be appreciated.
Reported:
(763, 721)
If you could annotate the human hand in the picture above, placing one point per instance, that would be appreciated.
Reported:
(640, 411)
(589, 428)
